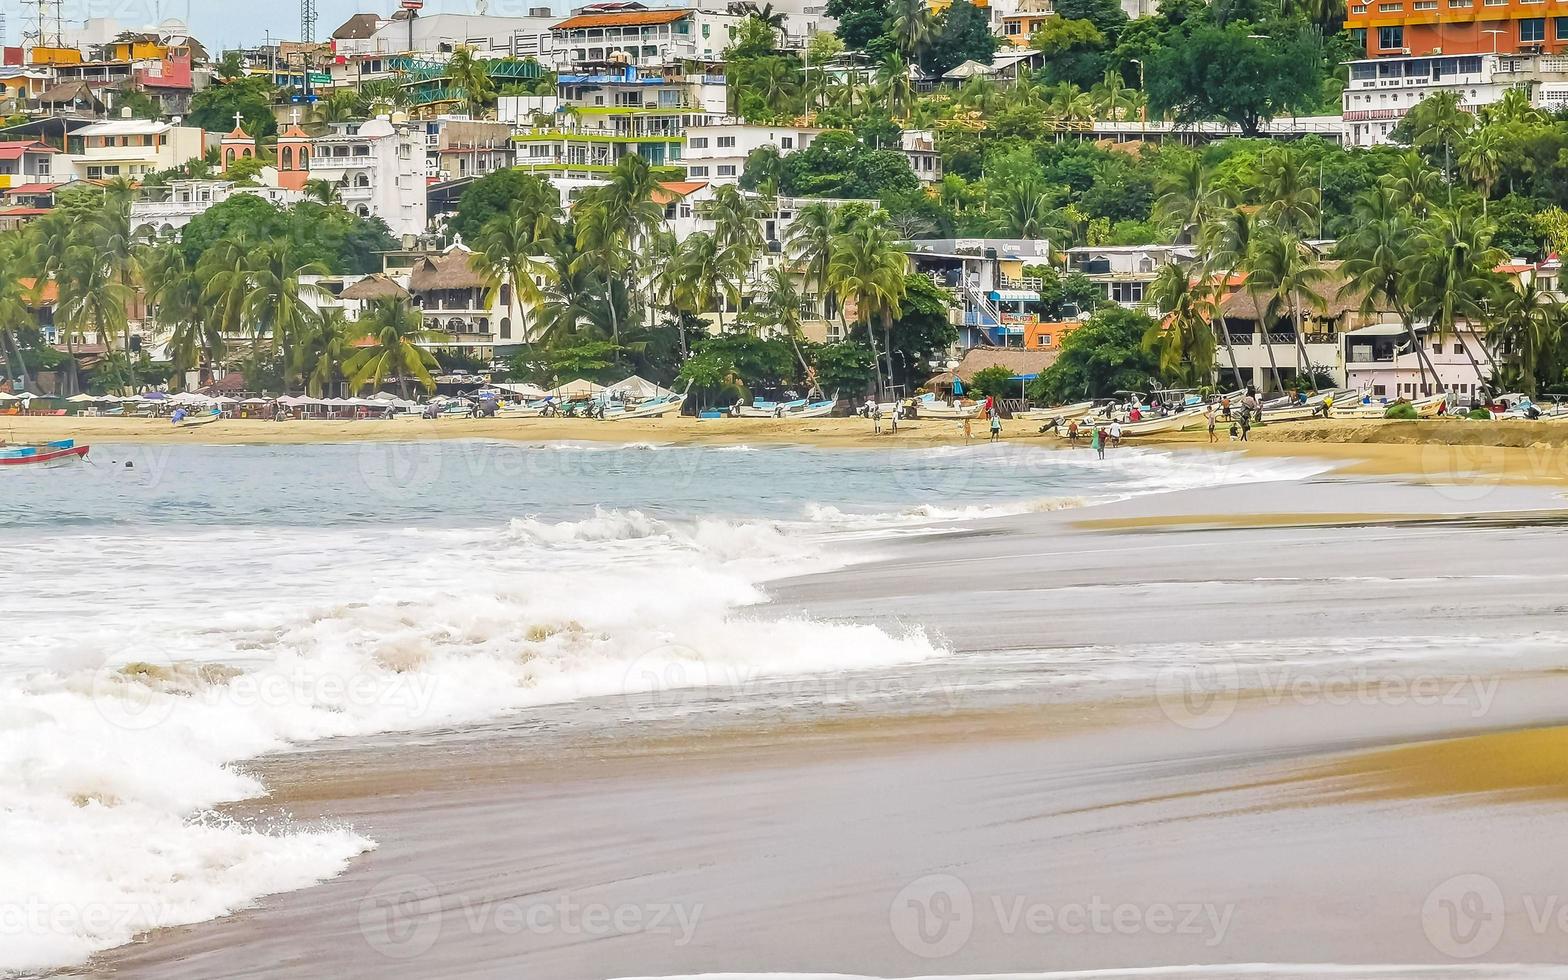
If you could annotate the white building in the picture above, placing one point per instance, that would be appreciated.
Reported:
(1124, 272)
(131, 148)
(1379, 360)
(365, 46)
(919, 146)
(718, 152)
(164, 210)
(380, 170)
(629, 32)
(1381, 90)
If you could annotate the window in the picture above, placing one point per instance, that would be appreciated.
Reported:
(1390, 8)
(698, 142)
(1560, 27)
(506, 328)
(787, 142)
(1390, 38)
(1380, 390)
(696, 171)
(726, 170)
(1014, 27)
(1424, 5)
(726, 141)
(1532, 30)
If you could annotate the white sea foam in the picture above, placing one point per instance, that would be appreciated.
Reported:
(114, 751)
(1221, 971)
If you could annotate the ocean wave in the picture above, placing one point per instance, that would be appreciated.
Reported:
(114, 754)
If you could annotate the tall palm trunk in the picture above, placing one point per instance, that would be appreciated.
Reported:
(1230, 349)
(15, 362)
(876, 357)
(1301, 340)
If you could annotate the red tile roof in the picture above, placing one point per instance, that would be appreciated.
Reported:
(630, 18)
(28, 189)
(13, 149)
(670, 191)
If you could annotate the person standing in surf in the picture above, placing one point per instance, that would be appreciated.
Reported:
(1097, 441)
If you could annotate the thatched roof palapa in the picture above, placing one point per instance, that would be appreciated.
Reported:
(373, 287)
(454, 270)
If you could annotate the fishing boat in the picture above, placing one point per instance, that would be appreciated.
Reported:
(1064, 412)
(1425, 408)
(1174, 422)
(761, 408)
(927, 407)
(57, 453)
(191, 421)
(815, 410)
(650, 408)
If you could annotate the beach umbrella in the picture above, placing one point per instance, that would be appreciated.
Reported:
(255, 401)
(84, 397)
(6, 396)
(154, 396)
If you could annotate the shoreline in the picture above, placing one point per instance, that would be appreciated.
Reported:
(1446, 451)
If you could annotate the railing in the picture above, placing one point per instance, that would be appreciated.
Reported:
(983, 303)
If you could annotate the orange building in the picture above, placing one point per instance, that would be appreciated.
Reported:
(1049, 336)
(1459, 27)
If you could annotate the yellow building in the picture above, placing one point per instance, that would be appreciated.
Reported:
(939, 6)
(56, 56)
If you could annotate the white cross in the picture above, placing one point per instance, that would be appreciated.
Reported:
(238, 120)
(294, 116)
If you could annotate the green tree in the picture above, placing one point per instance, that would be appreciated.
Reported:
(1103, 356)
(325, 345)
(470, 76)
(213, 107)
(867, 269)
(963, 33)
(1227, 73)
(992, 381)
(1184, 340)
(397, 331)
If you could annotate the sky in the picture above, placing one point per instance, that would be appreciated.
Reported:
(221, 24)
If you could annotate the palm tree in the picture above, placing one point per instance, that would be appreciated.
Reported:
(328, 192)
(323, 348)
(1377, 263)
(1454, 261)
(1524, 333)
(1184, 339)
(1109, 95)
(1439, 120)
(1227, 242)
(1416, 186)
(1289, 193)
(1284, 268)
(781, 302)
(912, 26)
(15, 302)
(868, 268)
(470, 76)
(1069, 103)
(396, 330)
(1514, 106)
(897, 88)
(176, 292)
(1026, 209)
(611, 219)
(809, 243)
(511, 247)
(737, 231)
(1481, 161)
(1184, 196)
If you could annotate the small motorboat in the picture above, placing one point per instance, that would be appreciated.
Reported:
(1174, 422)
(814, 410)
(763, 409)
(1064, 412)
(57, 453)
(650, 408)
(191, 421)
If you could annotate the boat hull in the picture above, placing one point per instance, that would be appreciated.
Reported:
(46, 457)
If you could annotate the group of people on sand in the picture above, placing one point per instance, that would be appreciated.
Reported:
(905, 409)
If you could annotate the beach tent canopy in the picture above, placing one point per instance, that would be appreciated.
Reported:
(637, 387)
(85, 397)
(580, 388)
(6, 396)
(522, 390)
(256, 401)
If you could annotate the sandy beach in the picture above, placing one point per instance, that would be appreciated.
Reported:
(1362, 776)
(1444, 450)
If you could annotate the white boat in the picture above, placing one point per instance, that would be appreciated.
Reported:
(815, 410)
(927, 407)
(1425, 408)
(1064, 412)
(761, 409)
(1148, 427)
(652, 408)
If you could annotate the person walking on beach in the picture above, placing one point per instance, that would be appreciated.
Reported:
(969, 431)
(1116, 435)
(996, 426)
(1225, 408)
(1246, 424)
(1097, 441)
(898, 412)
(1072, 432)
(876, 418)
(1208, 417)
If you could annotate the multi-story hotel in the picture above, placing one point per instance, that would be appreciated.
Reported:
(1478, 49)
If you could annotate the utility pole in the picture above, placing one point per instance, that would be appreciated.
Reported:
(307, 21)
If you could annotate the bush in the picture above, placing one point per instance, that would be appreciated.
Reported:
(997, 381)
(1404, 411)
(1479, 415)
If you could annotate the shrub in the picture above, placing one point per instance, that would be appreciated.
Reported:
(1404, 411)
(1479, 415)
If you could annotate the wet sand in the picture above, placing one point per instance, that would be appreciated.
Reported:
(991, 814)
